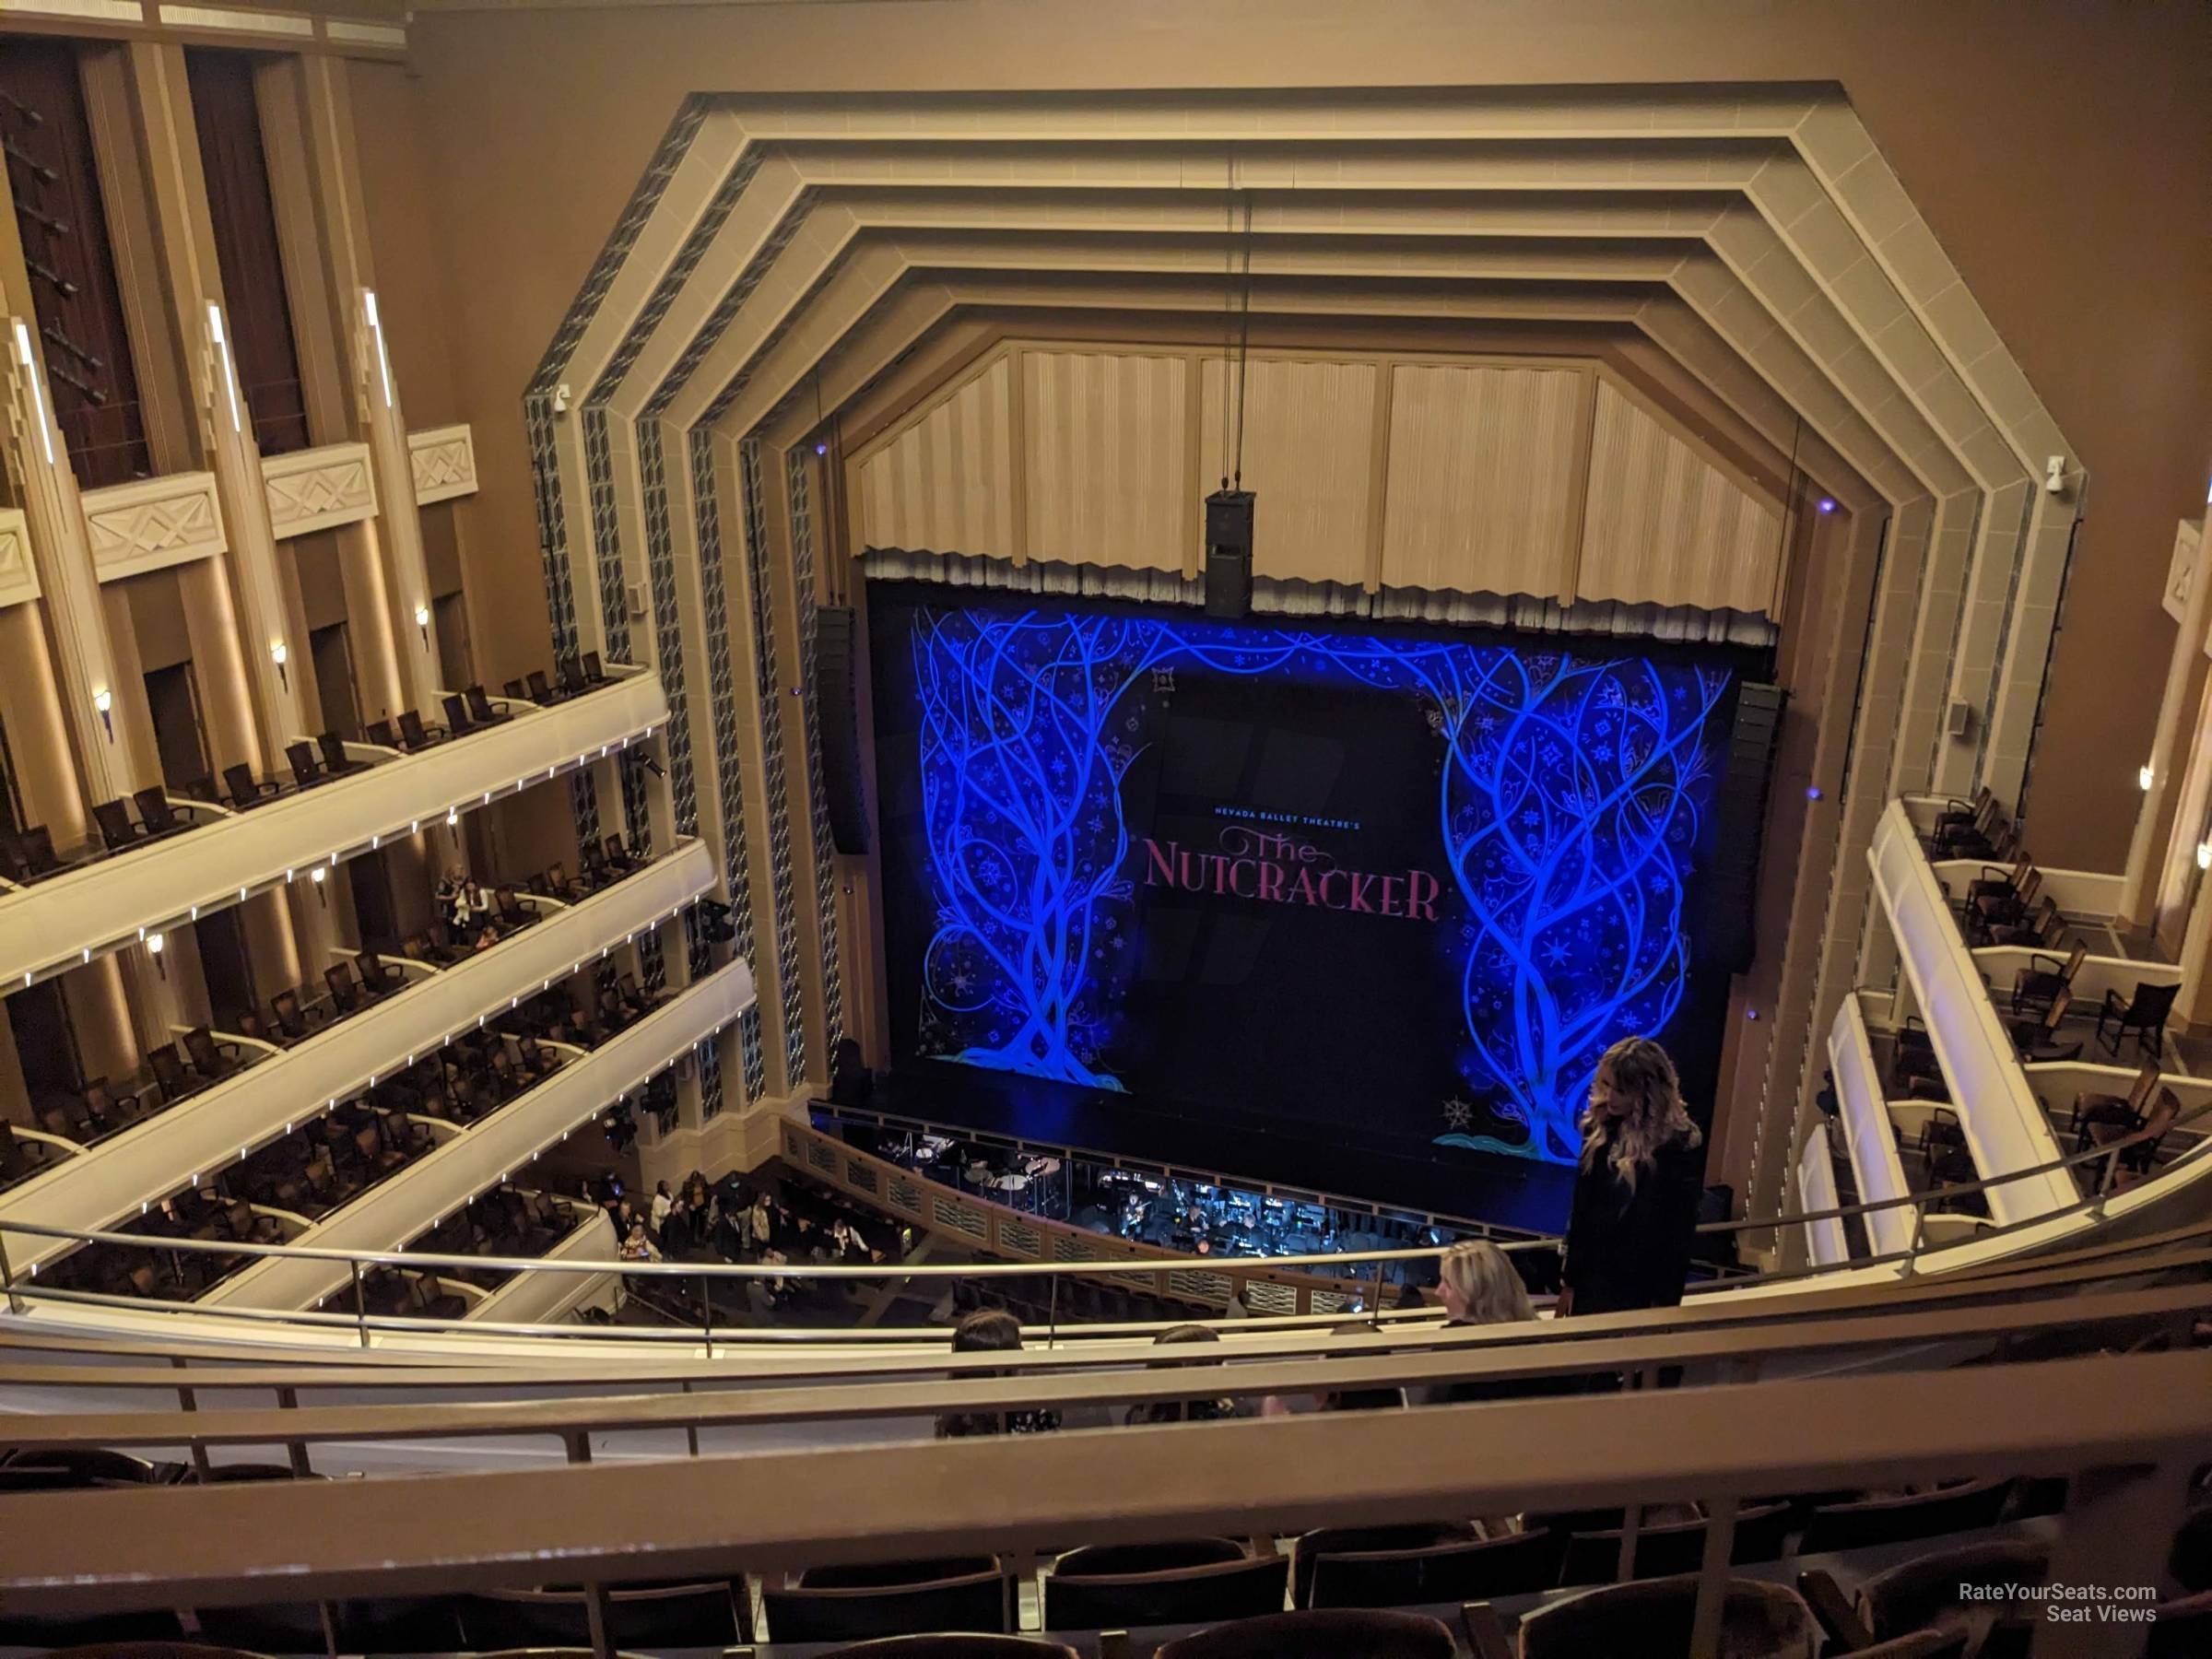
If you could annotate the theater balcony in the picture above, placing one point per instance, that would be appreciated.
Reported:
(2015, 1084)
(112, 1179)
(487, 1153)
(223, 853)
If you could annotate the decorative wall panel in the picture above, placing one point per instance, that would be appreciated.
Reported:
(1666, 525)
(1308, 449)
(946, 482)
(800, 493)
(152, 524)
(1481, 482)
(769, 686)
(443, 460)
(18, 575)
(1108, 475)
(316, 488)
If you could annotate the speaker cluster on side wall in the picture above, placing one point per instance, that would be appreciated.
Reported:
(837, 692)
(1740, 825)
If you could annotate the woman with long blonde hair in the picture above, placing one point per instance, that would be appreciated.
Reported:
(1641, 1172)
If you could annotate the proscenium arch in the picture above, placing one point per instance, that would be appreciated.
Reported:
(1807, 285)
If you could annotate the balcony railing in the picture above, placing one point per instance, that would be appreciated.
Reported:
(2005, 1126)
(1869, 1138)
(546, 1298)
(225, 1122)
(486, 1153)
(68, 918)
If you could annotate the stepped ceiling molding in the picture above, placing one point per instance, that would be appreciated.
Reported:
(782, 255)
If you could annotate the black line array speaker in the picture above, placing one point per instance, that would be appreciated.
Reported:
(1740, 825)
(1229, 554)
(837, 706)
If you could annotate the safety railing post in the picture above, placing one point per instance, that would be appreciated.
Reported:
(360, 1305)
(8, 1278)
(706, 1303)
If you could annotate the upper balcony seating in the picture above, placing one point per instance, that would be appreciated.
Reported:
(317, 1169)
(160, 857)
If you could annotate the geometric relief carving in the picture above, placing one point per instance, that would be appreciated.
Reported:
(18, 577)
(2181, 568)
(444, 461)
(317, 488)
(152, 524)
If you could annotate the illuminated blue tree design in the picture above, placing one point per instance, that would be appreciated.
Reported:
(1569, 812)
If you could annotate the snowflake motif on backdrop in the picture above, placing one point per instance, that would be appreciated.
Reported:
(1568, 813)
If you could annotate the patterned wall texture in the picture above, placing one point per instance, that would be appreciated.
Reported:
(721, 691)
(800, 475)
(770, 684)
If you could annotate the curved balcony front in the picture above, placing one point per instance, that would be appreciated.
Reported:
(72, 917)
(486, 1153)
(113, 1178)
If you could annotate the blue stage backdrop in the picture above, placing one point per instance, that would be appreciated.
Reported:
(1406, 888)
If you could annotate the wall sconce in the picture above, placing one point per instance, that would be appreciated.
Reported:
(2204, 855)
(422, 620)
(452, 817)
(155, 942)
(279, 655)
(315, 876)
(2145, 777)
(103, 703)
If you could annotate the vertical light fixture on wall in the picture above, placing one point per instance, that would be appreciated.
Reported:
(25, 356)
(222, 351)
(376, 327)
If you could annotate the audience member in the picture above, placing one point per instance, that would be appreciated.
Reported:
(661, 1204)
(1478, 1285)
(676, 1238)
(1636, 1192)
(989, 1330)
(1184, 1411)
(637, 1247)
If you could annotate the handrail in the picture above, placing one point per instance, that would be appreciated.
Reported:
(2141, 1420)
(311, 1367)
(1412, 1327)
(2109, 1153)
(979, 1382)
(356, 1260)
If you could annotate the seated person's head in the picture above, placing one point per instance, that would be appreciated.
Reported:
(1478, 1285)
(987, 1331)
(1360, 1399)
(1179, 1411)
